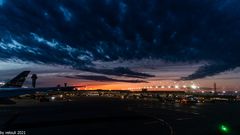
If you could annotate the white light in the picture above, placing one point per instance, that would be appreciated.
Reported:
(193, 86)
(163, 87)
(176, 86)
(53, 98)
(203, 91)
(2, 83)
(184, 86)
(61, 96)
(236, 91)
(169, 87)
(224, 92)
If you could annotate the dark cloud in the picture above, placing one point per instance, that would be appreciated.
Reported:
(103, 79)
(228, 78)
(210, 70)
(78, 32)
(120, 71)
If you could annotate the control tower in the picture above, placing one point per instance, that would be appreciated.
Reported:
(34, 80)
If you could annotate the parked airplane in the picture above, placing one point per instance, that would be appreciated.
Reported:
(16, 82)
(14, 87)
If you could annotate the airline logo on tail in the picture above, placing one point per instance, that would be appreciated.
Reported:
(18, 81)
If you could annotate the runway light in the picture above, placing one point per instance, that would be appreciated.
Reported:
(53, 98)
(224, 128)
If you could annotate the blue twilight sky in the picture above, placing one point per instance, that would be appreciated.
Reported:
(122, 42)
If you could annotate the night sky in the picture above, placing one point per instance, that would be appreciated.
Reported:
(117, 44)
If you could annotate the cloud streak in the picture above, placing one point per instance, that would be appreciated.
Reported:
(103, 79)
(119, 71)
(210, 70)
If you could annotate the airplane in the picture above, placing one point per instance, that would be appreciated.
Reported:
(14, 87)
(16, 82)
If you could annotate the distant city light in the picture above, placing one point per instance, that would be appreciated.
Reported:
(53, 98)
(236, 91)
(169, 87)
(2, 83)
(193, 86)
(224, 92)
(184, 86)
(162, 87)
(176, 86)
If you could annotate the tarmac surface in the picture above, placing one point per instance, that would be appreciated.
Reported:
(109, 116)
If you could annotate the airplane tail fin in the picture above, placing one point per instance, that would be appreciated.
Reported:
(18, 81)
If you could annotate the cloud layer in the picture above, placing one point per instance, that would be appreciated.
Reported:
(76, 33)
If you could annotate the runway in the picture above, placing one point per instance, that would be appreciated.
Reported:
(99, 115)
